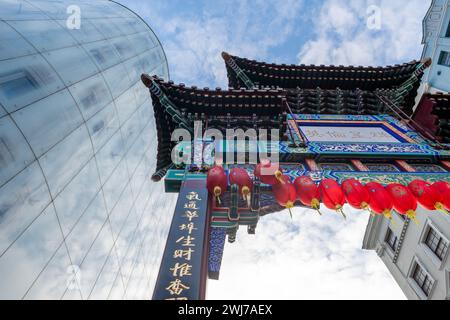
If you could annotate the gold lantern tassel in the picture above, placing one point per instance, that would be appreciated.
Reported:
(278, 175)
(388, 214)
(246, 195)
(412, 215)
(315, 204)
(341, 211)
(289, 205)
(217, 193)
(440, 207)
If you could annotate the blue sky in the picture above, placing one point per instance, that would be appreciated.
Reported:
(310, 256)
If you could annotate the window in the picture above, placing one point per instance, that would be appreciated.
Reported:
(447, 35)
(391, 239)
(436, 243)
(444, 59)
(422, 279)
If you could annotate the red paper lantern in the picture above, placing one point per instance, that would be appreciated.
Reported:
(285, 193)
(268, 173)
(307, 192)
(332, 195)
(380, 200)
(216, 181)
(443, 187)
(403, 200)
(426, 195)
(241, 178)
(356, 194)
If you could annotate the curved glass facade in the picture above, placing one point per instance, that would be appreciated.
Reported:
(79, 215)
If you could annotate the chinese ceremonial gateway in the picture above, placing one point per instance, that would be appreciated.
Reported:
(338, 135)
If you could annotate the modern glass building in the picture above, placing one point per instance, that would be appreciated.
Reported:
(80, 217)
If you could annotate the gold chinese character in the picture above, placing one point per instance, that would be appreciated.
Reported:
(189, 227)
(193, 196)
(176, 287)
(186, 241)
(191, 205)
(181, 270)
(190, 215)
(186, 254)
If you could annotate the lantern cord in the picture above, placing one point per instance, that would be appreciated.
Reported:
(290, 212)
(318, 211)
(415, 220)
(341, 211)
(218, 200)
(440, 207)
(443, 211)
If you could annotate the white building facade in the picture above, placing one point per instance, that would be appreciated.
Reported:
(415, 254)
(436, 41)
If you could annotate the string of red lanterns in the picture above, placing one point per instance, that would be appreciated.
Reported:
(373, 196)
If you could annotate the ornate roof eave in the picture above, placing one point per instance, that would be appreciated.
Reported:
(177, 106)
(313, 76)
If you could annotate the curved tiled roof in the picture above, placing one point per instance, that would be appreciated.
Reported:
(313, 76)
(220, 109)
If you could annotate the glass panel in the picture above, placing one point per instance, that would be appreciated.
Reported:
(151, 61)
(2, 111)
(91, 95)
(55, 278)
(117, 79)
(72, 64)
(23, 262)
(137, 278)
(12, 45)
(131, 129)
(19, 10)
(137, 24)
(77, 196)
(65, 160)
(14, 151)
(95, 260)
(21, 200)
(106, 281)
(117, 290)
(124, 224)
(125, 105)
(103, 125)
(123, 47)
(87, 32)
(44, 34)
(54, 9)
(108, 29)
(130, 259)
(115, 185)
(103, 54)
(48, 121)
(25, 80)
(86, 230)
(123, 26)
(109, 156)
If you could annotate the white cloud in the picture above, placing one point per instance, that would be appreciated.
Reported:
(193, 43)
(342, 35)
(308, 257)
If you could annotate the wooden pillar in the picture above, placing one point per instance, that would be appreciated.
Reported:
(312, 165)
(359, 165)
(446, 164)
(183, 269)
(405, 166)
